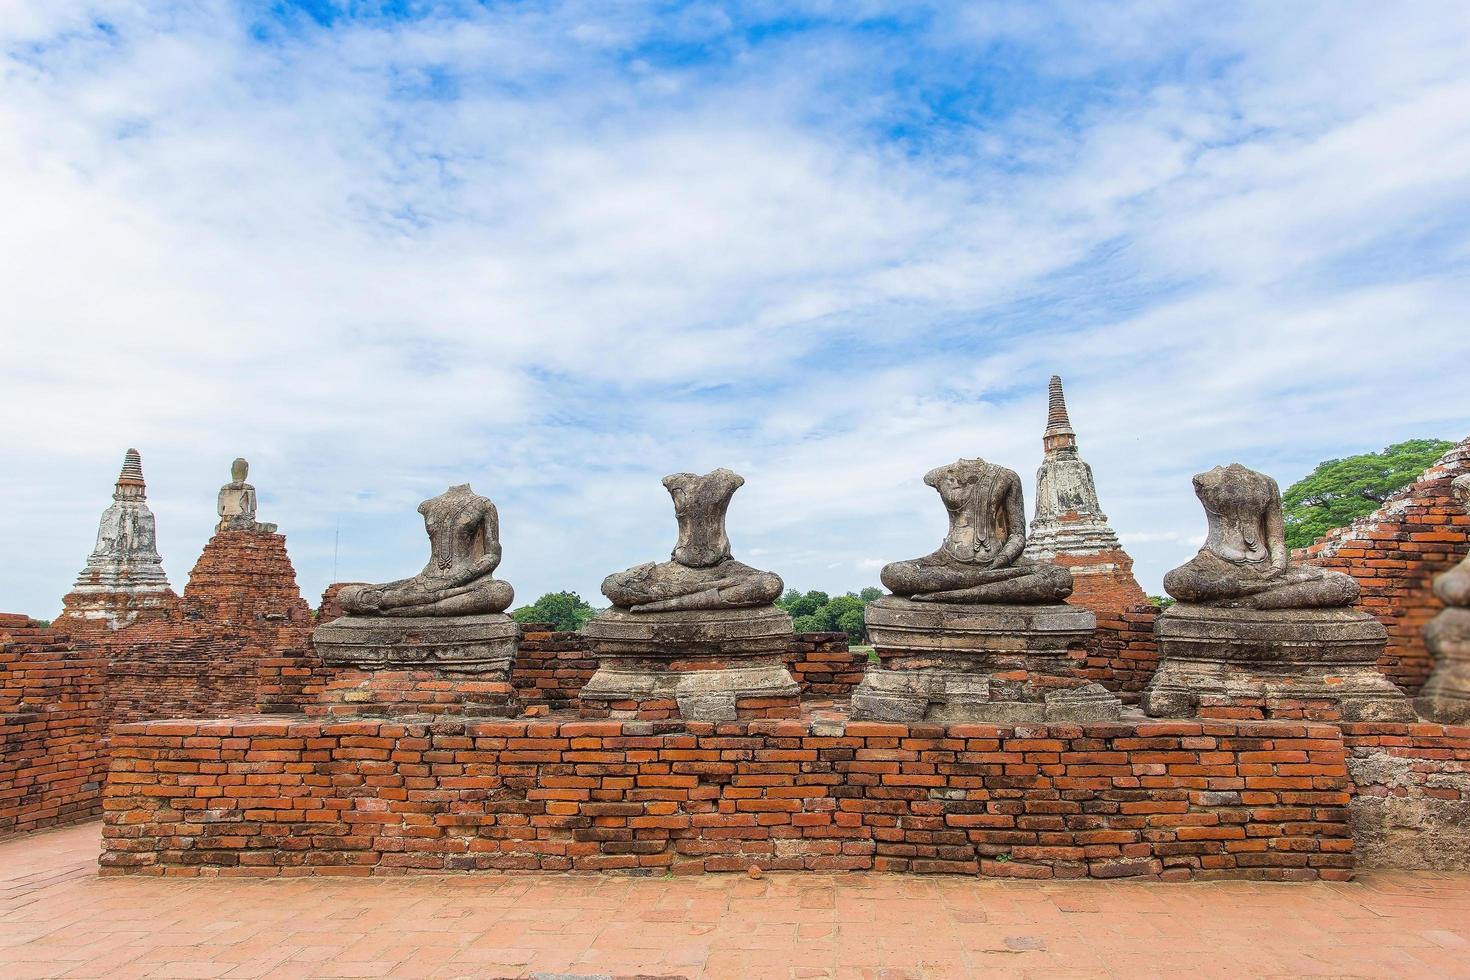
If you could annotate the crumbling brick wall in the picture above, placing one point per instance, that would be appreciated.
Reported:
(1395, 554)
(52, 763)
(1166, 800)
(1122, 654)
(825, 666)
(1411, 794)
(551, 666)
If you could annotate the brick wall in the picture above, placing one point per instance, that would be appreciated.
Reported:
(1171, 800)
(186, 669)
(239, 641)
(1411, 799)
(51, 761)
(824, 666)
(1395, 553)
(1122, 654)
(551, 666)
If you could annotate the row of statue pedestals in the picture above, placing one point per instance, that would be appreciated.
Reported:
(970, 633)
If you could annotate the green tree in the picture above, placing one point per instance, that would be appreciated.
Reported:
(870, 593)
(808, 624)
(1340, 490)
(563, 610)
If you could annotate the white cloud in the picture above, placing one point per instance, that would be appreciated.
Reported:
(1237, 236)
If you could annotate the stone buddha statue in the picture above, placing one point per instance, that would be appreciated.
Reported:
(1453, 587)
(702, 574)
(979, 561)
(1243, 563)
(464, 551)
(236, 507)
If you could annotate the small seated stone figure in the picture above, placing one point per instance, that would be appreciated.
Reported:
(1454, 585)
(1243, 563)
(702, 574)
(980, 559)
(236, 507)
(464, 551)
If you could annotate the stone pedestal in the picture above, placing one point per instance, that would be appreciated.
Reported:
(1445, 697)
(420, 664)
(699, 665)
(989, 664)
(1272, 663)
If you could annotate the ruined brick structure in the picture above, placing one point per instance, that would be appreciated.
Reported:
(1395, 553)
(1411, 794)
(240, 616)
(551, 666)
(123, 581)
(52, 765)
(1071, 530)
(825, 666)
(1172, 801)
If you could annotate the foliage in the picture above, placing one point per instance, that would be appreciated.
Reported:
(565, 611)
(1340, 490)
(1161, 602)
(817, 612)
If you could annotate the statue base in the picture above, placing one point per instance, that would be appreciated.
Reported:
(1318, 664)
(1445, 697)
(988, 664)
(389, 666)
(698, 665)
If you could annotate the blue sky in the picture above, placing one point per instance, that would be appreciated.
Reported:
(558, 250)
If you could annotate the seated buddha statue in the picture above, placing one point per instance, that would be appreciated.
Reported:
(702, 574)
(464, 551)
(1454, 585)
(980, 559)
(1243, 563)
(236, 502)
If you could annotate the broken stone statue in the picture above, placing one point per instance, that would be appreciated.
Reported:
(449, 617)
(974, 632)
(698, 632)
(1252, 631)
(236, 505)
(1446, 695)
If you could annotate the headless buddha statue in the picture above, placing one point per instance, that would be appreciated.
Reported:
(1243, 563)
(702, 574)
(980, 559)
(1454, 585)
(464, 551)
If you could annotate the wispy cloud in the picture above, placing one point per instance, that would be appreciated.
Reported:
(561, 249)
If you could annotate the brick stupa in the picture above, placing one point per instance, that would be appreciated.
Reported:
(123, 581)
(1070, 528)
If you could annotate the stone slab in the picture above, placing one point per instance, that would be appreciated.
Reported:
(976, 630)
(1219, 656)
(689, 634)
(461, 644)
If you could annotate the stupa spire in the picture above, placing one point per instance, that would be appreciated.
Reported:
(1059, 436)
(130, 484)
(1070, 527)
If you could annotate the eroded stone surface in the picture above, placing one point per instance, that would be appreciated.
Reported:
(236, 502)
(123, 580)
(464, 545)
(1280, 662)
(704, 660)
(980, 558)
(964, 662)
(1244, 562)
(1446, 695)
(701, 574)
(697, 635)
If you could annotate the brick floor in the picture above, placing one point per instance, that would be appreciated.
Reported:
(58, 919)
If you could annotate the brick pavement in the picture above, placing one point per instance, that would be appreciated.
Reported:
(57, 918)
